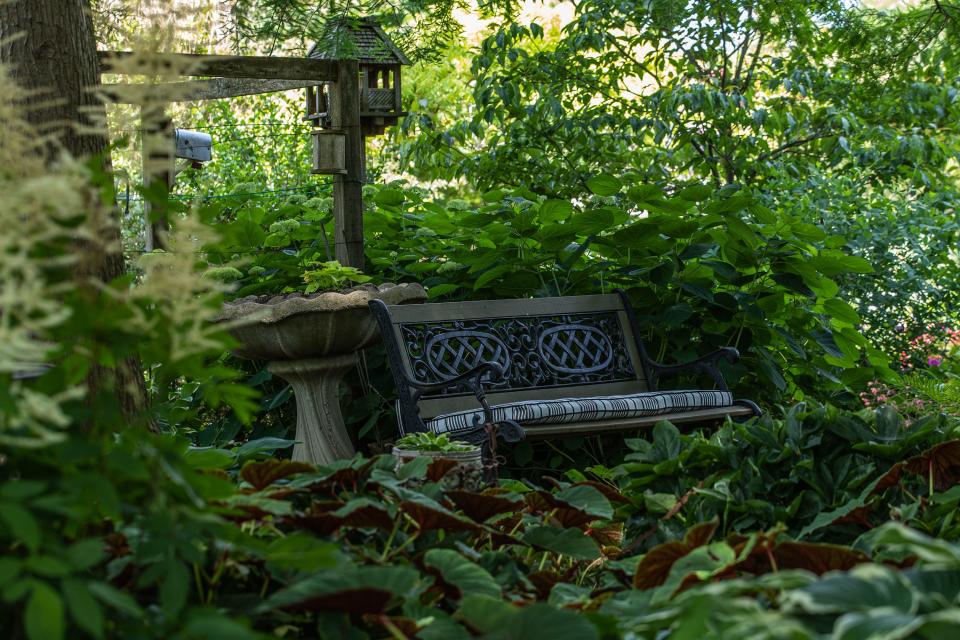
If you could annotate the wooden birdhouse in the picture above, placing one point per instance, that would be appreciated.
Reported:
(380, 60)
(329, 151)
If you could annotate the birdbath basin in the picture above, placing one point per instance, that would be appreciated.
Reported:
(311, 342)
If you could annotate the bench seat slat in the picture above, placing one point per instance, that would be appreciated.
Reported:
(627, 424)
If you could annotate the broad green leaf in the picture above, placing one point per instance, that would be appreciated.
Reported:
(876, 624)
(43, 617)
(604, 185)
(302, 551)
(21, 524)
(332, 586)
(261, 447)
(86, 553)
(389, 197)
(696, 193)
(119, 600)
(555, 211)
(863, 588)
(666, 441)
(569, 542)
(174, 589)
(486, 614)
(209, 623)
(209, 458)
(83, 608)
(544, 621)
(467, 576)
(587, 499)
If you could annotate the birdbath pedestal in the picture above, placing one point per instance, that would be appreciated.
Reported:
(312, 342)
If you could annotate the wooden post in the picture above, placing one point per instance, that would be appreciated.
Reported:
(158, 156)
(348, 187)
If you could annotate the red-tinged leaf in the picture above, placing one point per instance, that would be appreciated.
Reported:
(818, 558)
(700, 534)
(543, 582)
(393, 624)
(541, 501)
(364, 513)
(263, 474)
(889, 479)
(507, 523)
(347, 477)
(612, 493)
(483, 506)
(564, 514)
(653, 569)
(607, 535)
(350, 601)
(429, 518)
(321, 524)
(439, 467)
(941, 461)
(859, 516)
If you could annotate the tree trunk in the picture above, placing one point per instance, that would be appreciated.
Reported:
(51, 50)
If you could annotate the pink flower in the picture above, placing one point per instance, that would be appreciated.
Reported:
(934, 361)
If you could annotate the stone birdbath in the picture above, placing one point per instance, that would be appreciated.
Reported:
(311, 341)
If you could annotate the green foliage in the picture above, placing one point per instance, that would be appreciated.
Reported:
(705, 268)
(332, 276)
(431, 442)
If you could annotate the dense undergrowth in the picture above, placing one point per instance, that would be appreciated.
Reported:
(822, 521)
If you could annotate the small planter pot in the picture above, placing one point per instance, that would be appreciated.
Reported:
(467, 472)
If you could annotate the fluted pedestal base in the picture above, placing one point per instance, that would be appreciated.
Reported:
(321, 435)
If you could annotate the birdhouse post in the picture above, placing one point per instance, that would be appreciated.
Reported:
(364, 101)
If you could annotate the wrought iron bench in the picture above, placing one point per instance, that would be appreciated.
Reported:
(538, 367)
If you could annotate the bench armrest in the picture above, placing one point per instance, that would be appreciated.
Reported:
(474, 378)
(704, 364)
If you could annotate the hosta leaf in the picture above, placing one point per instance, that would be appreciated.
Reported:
(865, 587)
(882, 624)
(467, 577)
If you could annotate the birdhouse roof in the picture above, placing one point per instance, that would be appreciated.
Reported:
(360, 39)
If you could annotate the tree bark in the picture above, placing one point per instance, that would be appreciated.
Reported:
(51, 50)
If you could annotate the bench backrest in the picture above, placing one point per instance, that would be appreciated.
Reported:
(568, 347)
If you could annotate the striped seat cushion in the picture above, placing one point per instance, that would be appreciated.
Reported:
(570, 410)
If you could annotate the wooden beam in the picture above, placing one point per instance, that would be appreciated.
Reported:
(348, 187)
(188, 64)
(215, 89)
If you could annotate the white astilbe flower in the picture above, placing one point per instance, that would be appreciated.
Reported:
(179, 299)
(35, 205)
